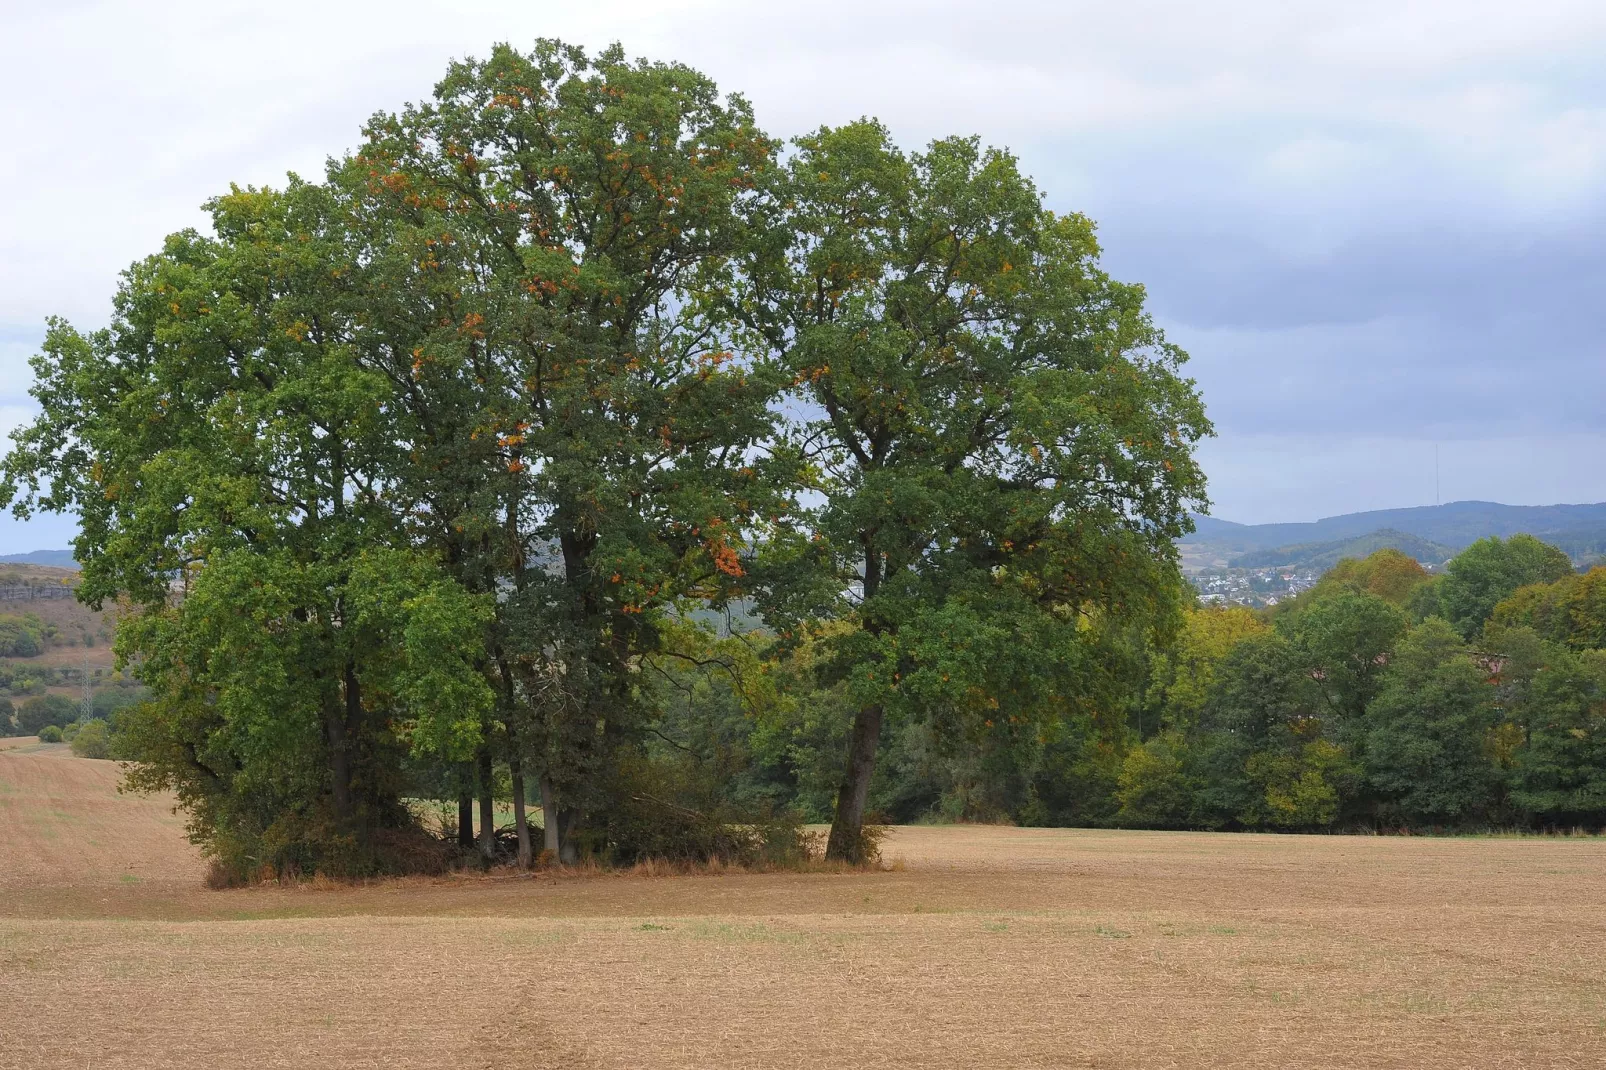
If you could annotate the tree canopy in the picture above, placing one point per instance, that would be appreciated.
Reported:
(1000, 435)
(418, 471)
(1489, 570)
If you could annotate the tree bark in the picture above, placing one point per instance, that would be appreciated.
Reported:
(568, 818)
(549, 818)
(344, 722)
(846, 843)
(520, 822)
(465, 811)
(487, 808)
(339, 766)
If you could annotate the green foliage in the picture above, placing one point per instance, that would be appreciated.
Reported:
(1423, 601)
(35, 713)
(1271, 750)
(1428, 748)
(1001, 436)
(255, 673)
(1339, 716)
(1571, 610)
(434, 471)
(1298, 788)
(50, 734)
(21, 637)
(92, 740)
(223, 432)
(1490, 570)
(1344, 640)
(587, 415)
(1184, 675)
(1153, 789)
(1386, 573)
(1077, 774)
(8, 725)
(108, 700)
(676, 811)
(1559, 776)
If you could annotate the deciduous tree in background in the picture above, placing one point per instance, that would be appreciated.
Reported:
(1427, 748)
(1489, 570)
(1572, 610)
(1389, 574)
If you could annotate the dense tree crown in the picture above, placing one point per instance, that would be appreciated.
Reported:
(428, 469)
(1490, 570)
(574, 441)
(999, 433)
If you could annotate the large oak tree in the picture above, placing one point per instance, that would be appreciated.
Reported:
(569, 227)
(1002, 437)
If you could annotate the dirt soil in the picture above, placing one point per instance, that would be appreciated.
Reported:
(982, 947)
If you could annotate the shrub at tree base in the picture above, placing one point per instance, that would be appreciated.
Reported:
(50, 734)
(666, 812)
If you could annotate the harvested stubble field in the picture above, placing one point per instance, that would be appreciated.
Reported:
(985, 947)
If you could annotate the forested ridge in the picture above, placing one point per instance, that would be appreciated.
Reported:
(575, 445)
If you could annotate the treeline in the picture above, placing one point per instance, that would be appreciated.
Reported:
(26, 678)
(431, 479)
(30, 716)
(1384, 698)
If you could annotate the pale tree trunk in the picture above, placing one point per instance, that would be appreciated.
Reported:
(567, 818)
(846, 843)
(487, 808)
(520, 822)
(549, 818)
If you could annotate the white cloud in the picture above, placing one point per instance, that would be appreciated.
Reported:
(1265, 479)
(1283, 149)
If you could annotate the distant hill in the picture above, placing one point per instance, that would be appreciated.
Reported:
(1324, 555)
(1205, 527)
(1578, 529)
(55, 558)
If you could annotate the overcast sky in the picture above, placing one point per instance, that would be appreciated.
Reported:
(1375, 226)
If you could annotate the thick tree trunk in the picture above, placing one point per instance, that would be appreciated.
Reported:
(345, 720)
(487, 808)
(465, 812)
(549, 818)
(339, 766)
(846, 843)
(568, 818)
(521, 823)
(567, 850)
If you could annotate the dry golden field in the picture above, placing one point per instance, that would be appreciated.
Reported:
(980, 947)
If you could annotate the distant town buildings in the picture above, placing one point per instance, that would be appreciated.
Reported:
(1255, 587)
